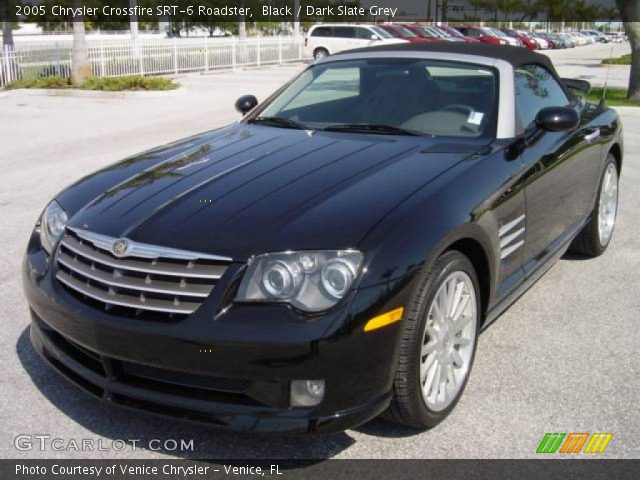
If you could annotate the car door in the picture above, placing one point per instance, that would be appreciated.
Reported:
(366, 37)
(561, 168)
(345, 38)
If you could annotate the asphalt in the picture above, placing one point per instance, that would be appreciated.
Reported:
(562, 359)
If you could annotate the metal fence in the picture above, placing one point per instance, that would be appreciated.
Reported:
(148, 56)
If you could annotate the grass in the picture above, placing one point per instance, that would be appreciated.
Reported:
(623, 60)
(616, 97)
(108, 84)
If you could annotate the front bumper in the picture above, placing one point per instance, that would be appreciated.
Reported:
(232, 370)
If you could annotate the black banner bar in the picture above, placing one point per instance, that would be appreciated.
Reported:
(318, 469)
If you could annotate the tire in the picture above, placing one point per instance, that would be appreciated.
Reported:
(409, 405)
(590, 242)
(319, 53)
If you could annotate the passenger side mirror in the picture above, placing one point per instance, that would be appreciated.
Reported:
(246, 103)
(575, 84)
(375, 37)
(557, 119)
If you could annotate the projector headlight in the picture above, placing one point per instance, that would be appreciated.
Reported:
(52, 224)
(309, 281)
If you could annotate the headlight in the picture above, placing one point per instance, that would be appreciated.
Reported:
(52, 224)
(309, 281)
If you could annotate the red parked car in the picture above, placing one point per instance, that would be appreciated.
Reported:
(455, 33)
(482, 34)
(400, 31)
(528, 42)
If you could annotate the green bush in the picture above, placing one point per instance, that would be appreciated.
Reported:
(110, 84)
(616, 97)
(623, 60)
(117, 84)
(42, 82)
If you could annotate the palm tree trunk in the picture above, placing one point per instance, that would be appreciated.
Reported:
(630, 15)
(80, 67)
(7, 29)
(242, 25)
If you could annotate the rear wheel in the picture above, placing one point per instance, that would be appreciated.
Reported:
(438, 343)
(320, 53)
(596, 235)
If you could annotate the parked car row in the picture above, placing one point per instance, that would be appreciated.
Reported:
(325, 39)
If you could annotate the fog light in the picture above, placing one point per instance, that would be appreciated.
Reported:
(306, 393)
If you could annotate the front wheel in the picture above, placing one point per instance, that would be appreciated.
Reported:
(596, 235)
(320, 53)
(438, 343)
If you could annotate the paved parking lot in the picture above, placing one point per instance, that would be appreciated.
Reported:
(563, 358)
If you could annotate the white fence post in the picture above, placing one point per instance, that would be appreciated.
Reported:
(138, 53)
(279, 50)
(258, 42)
(206, 53)
(5, 63)
(233, 53)
(175, 55)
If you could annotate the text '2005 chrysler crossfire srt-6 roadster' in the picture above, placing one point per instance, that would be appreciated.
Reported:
(334, 255)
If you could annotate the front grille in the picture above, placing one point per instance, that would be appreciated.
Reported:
(151, 282)
(186, 379)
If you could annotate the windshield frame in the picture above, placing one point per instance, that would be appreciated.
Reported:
(491, 131)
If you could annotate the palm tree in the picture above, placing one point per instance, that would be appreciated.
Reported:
(10, 66)
(80, 66)
(242, 24)
(630, 15)
(610, 14)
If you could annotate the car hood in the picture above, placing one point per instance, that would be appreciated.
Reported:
(247, 189)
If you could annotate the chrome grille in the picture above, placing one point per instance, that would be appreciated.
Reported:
(150, 280)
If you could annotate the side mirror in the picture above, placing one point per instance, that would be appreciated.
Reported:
(576, 84)
(246, 103)
(375, 37)
(557, 119)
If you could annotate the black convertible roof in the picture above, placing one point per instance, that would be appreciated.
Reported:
(516, 56)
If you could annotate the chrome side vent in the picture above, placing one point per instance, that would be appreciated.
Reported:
(145, 279)
(512, 236)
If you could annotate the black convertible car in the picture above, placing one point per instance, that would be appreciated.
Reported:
(333, 255)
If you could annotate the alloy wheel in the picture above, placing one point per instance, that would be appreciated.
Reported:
(449, 341)
(608, 204)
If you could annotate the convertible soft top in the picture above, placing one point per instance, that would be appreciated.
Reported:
(516, 56)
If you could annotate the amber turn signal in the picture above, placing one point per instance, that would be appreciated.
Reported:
(384, 319)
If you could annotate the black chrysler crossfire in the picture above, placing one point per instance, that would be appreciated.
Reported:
(334, 255)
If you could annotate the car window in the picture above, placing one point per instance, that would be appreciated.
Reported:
(321, 32)
(382, 33)
(363, 33)
(536, 88)
(407, 33)
(428, 97)
(344, 32)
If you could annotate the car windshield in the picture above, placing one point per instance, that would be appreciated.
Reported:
(452, 31)
(488, 31)
(406, 32)
(388, 96)
(381, 32)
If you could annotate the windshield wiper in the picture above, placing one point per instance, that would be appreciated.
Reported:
(371, 127)
(280, 122)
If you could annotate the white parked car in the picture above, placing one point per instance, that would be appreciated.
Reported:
(579, 40)
(325, 39)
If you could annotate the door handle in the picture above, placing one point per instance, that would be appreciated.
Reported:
(590, 137)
